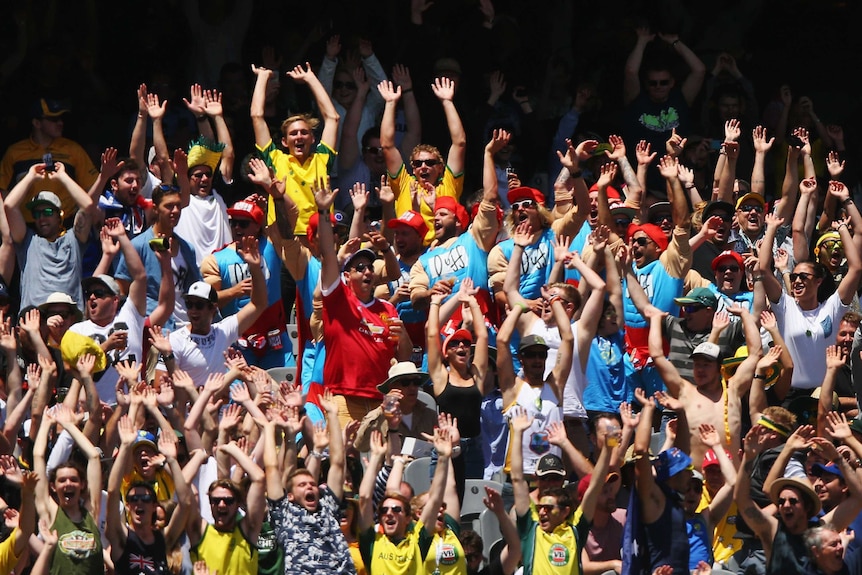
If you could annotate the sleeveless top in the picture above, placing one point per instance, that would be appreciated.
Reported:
(665, 535)
(573, 393)
(79, 549)
(465, 403)
(227, 552)
(139, 558)
(541, 404)
(789, 555)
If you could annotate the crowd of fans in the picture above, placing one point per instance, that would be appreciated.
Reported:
(640, 350)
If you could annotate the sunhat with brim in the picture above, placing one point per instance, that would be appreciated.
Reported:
(401, 371)
(60, 298)
(730, 365)
(670, 462)
(804, 488)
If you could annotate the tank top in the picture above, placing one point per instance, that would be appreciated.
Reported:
(789, 555)
(139, 558)
(664, 536)
(465, 403)
(79, 549)
(227, 552)
(573, 393)
(541, 404)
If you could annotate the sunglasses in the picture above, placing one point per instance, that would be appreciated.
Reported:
(800, 275)
(225, 500)
(623, 222)
(337, 85)
(692, 308)
(43, 213)
(655, 83)
(241, 224)
(198, 175)
(361, 267)
(409, 383)
(523, 205)
(99, 293)
(790, 500)
(395, 509)
(376, 150)
(431, 162)
(190, 304)
(659, 218)
(722, 269)
(459, 343)
(534, 354)
(141, 498)
(641, 241)
(547, 508)
(751, 208)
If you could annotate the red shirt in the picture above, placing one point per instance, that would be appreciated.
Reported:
(358, 343)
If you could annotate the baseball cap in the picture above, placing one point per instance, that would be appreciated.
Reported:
(202, 290)
(531, 341)
(550, 465)
(336, 218)
(708, 350)
(44, 197)
(710, 458)
(698, 296)
(412, 220)
(49, 108)
(451, 204)
(819, 469)
(367, 252)
(584, 483)
(525, 193)
(457, 335)
(652, 231)
(750, 196)
(713, 206)
(727, 255)
(145, 438)
(856, 425)
(246, 209)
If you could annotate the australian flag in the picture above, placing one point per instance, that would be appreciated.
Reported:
(634, 550)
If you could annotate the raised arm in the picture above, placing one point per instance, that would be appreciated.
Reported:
(631, 77)
(391, 94)
(329, 136)
(379, 449)
(115, 526)
(668, 372)
(763, 525)
(413, 135)
(213, 109)
(255, 501)
(651, 497)
(520, 422)
(324, 197)
(444, 89)
(770, 283)
(850, 282)
(262, 137)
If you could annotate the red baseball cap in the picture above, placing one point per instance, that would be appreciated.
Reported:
(612, 192)
(728, 254)
(451, 204)
(412, 220)
(246, 209)
(525, 193)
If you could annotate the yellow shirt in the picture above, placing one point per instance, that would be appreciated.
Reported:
(228, 553)
(451, 185)
(446, 554)
(7, 553)
(724, 544)
(300, 180)
(383, 557)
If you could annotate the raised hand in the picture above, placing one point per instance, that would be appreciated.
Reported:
(160, 341)
(762, 144)
(731, 130)
(324, 195)
(808, 185)
(401, 77)
(629, 418)
(556, 433)
(837, 426)
(231, 417)
(499, 139)
(643, 155)
(675, 144)
(239, 393)
(708, 435)
(607, 175)
(127, 430)
(836, 357)
(668, 401)
(618, 148)
(521, 420)
(834, 164)
(443, 88)
(155, 110)
(212, 103)
(389, 92)
(300, 74)
(196, 102)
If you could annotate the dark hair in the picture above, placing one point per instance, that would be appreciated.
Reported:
(471, 539)
(129, 165)
(395, 495)
(159, 194)
(852, 318)
(373, 132)
(592, 421)
(142, 485)
(226, 484)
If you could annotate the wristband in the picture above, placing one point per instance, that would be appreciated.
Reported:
(758, 376)
(406, 90)
(201, 118)
(323, 212)
(434, 303)
(847, 202)
(785, 273)
(674, 43)
(553, 299)
(756, 279)
(523, 307)
(576, 174)
(168, 357)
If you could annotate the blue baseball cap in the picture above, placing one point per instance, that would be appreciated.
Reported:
(670, 462)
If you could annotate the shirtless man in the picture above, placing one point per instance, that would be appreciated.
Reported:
(703, 400)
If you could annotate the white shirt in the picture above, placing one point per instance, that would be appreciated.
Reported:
(201, 355)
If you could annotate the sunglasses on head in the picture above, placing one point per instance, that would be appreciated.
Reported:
(43, 213)
(523, 204)
(225, 500)
(241, 224)
(430, 162)
(362, 266)
(339, 85)
(395, 509)
(197, 304)
(804, 276)
(169, 188)
(751, 208)
(655, 83)
(641, 241)
(99, 293)
(722, 269)
(141, 498)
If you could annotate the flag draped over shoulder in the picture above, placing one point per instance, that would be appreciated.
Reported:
(635, 561)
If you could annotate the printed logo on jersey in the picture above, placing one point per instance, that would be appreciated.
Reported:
(558, 555)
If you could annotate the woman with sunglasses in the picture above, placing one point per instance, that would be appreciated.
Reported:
(808, 325)
(458, 376)
(137, 546)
